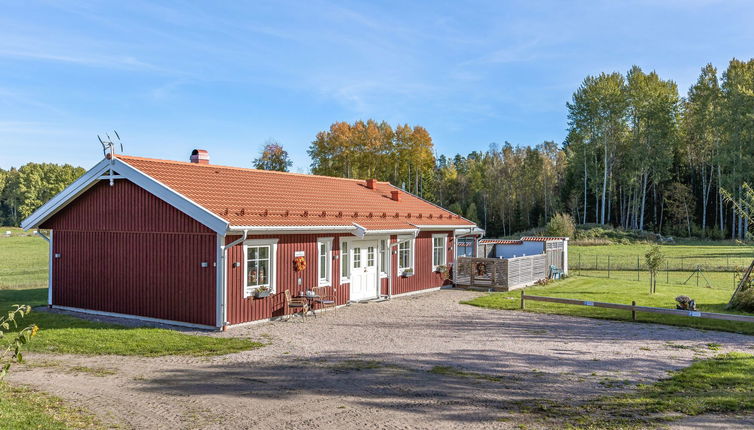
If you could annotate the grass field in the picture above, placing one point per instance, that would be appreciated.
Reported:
(23, 259)
(721, 262)
(722, 384)
(23, 265)
(620, 291)
(22, 408)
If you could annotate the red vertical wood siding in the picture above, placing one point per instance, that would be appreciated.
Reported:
(242, 309)
(424, 277)
(123, 250)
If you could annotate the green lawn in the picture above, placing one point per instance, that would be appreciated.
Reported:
(23, 264)
(621, 291)
(23, 259)
(70, 335)
(723, 384)
(22, 408)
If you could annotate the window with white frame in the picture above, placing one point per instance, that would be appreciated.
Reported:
(259, 267)
(345, 267)
(324, 251)
(405, 254)
(439, 254)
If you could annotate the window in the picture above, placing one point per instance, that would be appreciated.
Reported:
(370, 256)
(439, 243)
(259, 270)
(356, 258)
(383, 257)
(324, 251)
(345, 267)
(405, 254)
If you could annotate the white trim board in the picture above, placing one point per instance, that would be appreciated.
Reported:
(136, 317)
(126, 171)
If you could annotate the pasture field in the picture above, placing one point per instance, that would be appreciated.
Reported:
(23, 259)
(720, 263)
(621, 291)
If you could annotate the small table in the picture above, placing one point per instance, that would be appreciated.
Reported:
(310, 299)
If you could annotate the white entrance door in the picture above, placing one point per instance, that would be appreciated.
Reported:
(364, 256)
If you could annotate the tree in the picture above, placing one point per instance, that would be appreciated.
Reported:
(654, 259)
(561, 225)
(273, 157)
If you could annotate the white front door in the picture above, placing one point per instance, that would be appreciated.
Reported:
(364, 256)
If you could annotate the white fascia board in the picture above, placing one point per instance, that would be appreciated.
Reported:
(64, 197)
(443, 227)
(411, 231)
(290, 229)
(172, 197)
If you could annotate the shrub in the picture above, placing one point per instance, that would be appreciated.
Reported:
(561, 225)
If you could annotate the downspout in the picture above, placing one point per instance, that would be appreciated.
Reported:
(49, 270)
(224, 262)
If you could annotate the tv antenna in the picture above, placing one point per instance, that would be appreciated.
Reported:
(109, 145)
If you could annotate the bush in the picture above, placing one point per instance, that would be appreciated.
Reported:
(561, 225)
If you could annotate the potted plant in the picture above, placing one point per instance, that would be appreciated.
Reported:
(408, 272)
(442, 270)
(262, 291)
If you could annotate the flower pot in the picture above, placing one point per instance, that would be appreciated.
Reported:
(261, 294)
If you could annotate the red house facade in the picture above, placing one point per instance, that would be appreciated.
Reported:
(190, 243)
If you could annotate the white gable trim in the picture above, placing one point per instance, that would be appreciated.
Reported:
(172, 197)
(161, 191)
(86, 181)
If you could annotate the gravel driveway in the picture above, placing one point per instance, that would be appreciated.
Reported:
(369, 366)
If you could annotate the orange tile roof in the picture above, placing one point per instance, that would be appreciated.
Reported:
(249, 197)
(502, 241)
(542, 238)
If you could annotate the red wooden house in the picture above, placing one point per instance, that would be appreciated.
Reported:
(189, 243)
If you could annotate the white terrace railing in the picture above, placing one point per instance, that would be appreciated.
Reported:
(499, 273)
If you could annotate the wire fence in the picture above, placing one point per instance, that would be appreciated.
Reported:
(714, 271)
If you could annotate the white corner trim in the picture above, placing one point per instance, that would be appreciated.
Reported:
(136, 317)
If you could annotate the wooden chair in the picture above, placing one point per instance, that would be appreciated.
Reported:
(326, 299)
(296, 304)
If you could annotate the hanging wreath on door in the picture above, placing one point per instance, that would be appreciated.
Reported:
(299, 264)
(481, 269)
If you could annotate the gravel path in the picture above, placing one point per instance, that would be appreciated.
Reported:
(367, 366)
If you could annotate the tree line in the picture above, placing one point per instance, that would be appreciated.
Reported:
(636, 154)
(25, 189)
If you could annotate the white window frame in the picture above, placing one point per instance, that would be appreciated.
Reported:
(412, 254)
(324, 281)
(436, 264)
(382, 255)
(344, 279)
(273, 244)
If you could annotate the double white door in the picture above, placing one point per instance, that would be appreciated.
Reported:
(364, 272)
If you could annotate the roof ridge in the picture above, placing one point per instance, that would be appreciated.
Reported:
(245, 169)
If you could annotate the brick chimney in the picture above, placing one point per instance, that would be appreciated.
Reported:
(200, 156)
(395, 195)
(372, 184)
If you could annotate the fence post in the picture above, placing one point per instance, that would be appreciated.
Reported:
(608, 266)
(596, 264)
(633, 311)
(667, 273)
(637, 268)
(523, 294)
(579, 264)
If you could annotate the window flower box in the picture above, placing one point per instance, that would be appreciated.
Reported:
(407, 273)
(262, 292)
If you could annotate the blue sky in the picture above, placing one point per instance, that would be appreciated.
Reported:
(226, 76)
